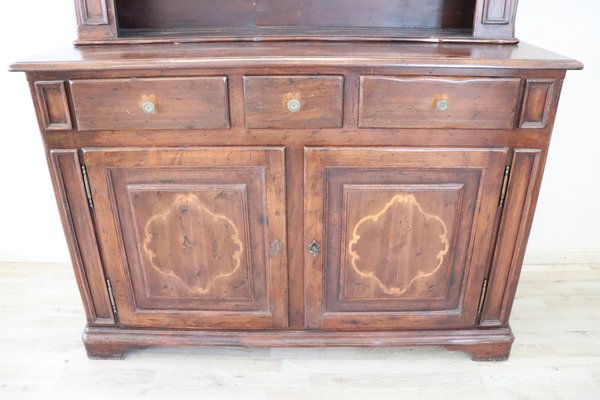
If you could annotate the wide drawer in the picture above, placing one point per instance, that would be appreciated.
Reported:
(293, 101)
(155, 103)
(420, 102)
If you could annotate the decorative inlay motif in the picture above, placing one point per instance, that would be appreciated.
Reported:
(203, 260)
(408, 203)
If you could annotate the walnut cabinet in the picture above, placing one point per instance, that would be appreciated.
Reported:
(286, 192)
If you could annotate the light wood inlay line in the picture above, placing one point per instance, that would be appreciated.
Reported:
(409, 201)
(188, 201)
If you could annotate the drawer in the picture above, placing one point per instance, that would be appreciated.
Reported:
(470, 103)
(156, 103)
(293, 101)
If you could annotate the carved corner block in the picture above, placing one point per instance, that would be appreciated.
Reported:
(495, 19)
(92, 12)
(96, 20)
(53, 105)
(498, 12)
(537, 103)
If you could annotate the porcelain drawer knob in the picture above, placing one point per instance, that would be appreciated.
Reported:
(442, 105)
(294, 105)
(148, 107)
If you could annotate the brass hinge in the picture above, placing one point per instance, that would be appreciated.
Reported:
(111, 297)
(482, 297)
(86, 186)
(504, 186)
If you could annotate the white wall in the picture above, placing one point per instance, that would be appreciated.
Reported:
(29, 223)
(568, 216)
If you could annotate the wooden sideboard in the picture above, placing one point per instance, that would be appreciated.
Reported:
(296, 193)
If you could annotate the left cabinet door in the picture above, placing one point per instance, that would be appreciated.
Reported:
(193, 237)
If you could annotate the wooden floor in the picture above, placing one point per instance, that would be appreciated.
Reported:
(556, 354)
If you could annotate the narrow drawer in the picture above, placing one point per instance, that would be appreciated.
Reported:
(293, 101)
(155, 103)
(469, 103)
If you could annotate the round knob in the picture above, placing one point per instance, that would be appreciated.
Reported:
(294, 105)
(148, 107)
(442, 105)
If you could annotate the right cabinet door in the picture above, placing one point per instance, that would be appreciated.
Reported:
(398, 238)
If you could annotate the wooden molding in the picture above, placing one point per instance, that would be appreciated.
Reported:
(81, 238)
(495, 19)
(540, 95)
(497, 11)
(96, 19)
(92, 12)
(483, 345)
(512, 237)
(53, 104)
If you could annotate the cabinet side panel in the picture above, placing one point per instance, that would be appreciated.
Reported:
(96, 19)
(93, 12)
(495, 19)
(81, 238)
(512, 238)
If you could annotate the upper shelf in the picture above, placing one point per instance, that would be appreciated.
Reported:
(159, 21)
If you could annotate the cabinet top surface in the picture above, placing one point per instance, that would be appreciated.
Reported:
(201, 55)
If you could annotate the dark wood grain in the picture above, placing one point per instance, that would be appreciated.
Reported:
(186, 14)
(495, 18)
(506, 267)
(538, 102)
(397, 102)
(96, 19)
(293, 55)
(68, 183)
(52, 102)
(319, 100)
(195, 103)
(125, 21)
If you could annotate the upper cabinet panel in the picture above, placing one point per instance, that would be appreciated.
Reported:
(93, 12)
(206, 20)
(96, 19)
(495, 19)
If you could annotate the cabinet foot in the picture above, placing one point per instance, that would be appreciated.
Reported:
(104, 351)
(485, 351)
(105, 346)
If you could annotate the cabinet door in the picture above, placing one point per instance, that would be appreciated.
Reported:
(398, 237)
(186, 235)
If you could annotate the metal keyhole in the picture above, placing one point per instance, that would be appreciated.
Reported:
(314, 248)
(276, 247)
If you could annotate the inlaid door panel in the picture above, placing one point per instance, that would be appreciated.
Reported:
(193, 229)
(404, 235)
